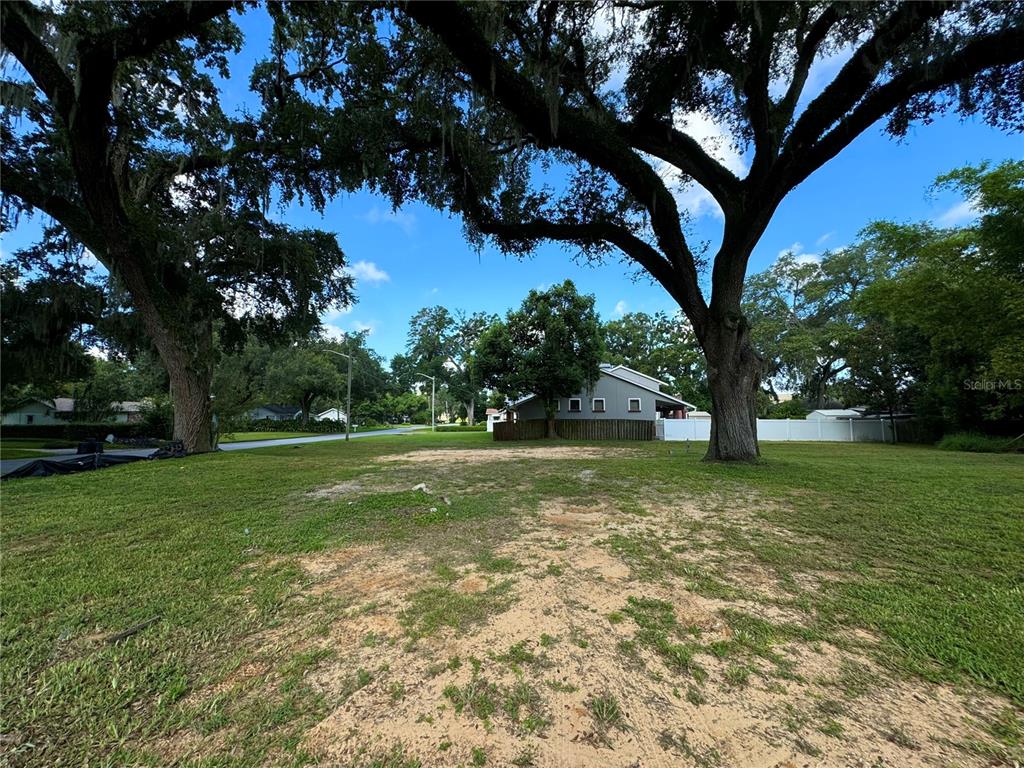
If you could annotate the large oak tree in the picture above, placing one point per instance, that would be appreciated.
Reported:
(572, 122)
(112, 127)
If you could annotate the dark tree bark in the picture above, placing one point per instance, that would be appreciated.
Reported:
(734, 376)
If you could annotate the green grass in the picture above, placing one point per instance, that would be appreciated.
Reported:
(243, 437)
(29, 447)
(923, 548)
(977, 443)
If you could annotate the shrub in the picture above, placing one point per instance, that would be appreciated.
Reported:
(791, 409)
(461, 428)
(978, 443)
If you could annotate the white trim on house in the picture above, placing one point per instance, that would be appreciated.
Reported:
(634, 370)
(579, 405)
(593, 405)
(629, 405)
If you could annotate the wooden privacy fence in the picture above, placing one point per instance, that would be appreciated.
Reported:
(576, 429)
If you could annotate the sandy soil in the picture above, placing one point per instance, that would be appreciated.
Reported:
(568, 586)
(485, 455)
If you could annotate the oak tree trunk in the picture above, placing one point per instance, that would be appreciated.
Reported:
(193, 411)
(734, 374)
(471, 411)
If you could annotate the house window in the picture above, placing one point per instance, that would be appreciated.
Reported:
(575, 405)
(597, 405)
(558, 405)
(29, 418)
(634, 405)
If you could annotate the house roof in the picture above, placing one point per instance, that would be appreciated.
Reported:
(838, 413)
(67, 405)
(489, 411)
(280, 409)
(609, 367)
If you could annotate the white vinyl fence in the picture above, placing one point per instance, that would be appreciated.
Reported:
(844, 431)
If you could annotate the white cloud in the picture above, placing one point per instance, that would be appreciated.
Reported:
(334, 332)
(621, 307)
(370, 327)
(797, 250)
(405, 220)
(367, 272)
(824, 238)
(960, 213)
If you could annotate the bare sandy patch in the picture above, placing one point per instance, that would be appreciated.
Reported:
(570, 652)
(486, 455)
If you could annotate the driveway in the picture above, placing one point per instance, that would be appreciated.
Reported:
(9, 465)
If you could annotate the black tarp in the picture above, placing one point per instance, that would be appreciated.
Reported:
(47, 467)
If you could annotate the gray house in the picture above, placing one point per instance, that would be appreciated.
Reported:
(620, 393)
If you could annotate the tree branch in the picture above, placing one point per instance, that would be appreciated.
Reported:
(566, 128)
(664, 141)
(860, 72)
(160, 24)
(17, 19)
(998, 49)
(71, 215)
(806, 53)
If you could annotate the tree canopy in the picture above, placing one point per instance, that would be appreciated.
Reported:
(478, 107)
(112, 126)
(551, 347)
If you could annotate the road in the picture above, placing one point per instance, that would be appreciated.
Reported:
(8, 465)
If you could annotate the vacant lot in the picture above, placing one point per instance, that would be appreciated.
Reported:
(547, 604)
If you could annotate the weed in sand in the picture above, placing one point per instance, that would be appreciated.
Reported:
(606, 714)
(679, 742)
(432, 608)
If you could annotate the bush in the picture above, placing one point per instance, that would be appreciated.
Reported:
(978, 443)
(791, 409)
(461, 428)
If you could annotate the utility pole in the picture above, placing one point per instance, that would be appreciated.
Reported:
(427, 376)
(348, 400)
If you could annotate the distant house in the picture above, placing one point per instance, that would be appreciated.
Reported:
(619, 393)
(833, 414)
(495, 415)
(275, 412)
(331, 414)
(706, 415)
(60, 410)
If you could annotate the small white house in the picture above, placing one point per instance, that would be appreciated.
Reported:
(494, 416)
(61, 410)
(331, 414)
(833, 414)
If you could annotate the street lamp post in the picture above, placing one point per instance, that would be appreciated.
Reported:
(427, 376)
(348, 399)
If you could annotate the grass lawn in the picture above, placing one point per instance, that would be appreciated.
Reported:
(29, 448)
(598, 604)
(241, 437)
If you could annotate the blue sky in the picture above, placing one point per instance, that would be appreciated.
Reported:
(418, 257)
